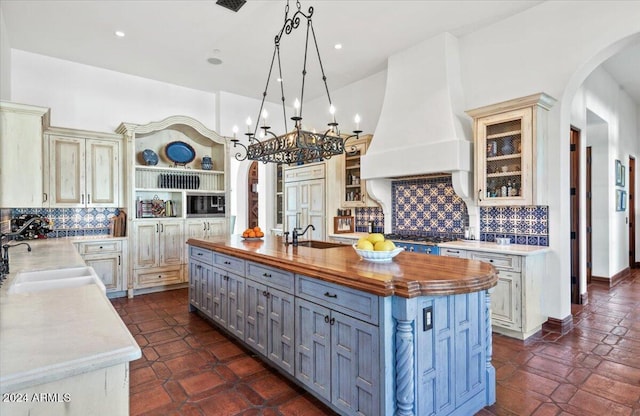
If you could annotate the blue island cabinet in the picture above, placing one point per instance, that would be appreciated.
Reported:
(360, 353)
(443, 354)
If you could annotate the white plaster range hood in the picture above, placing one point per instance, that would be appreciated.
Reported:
(422, 128)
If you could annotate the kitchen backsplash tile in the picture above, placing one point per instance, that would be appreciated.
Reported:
(427, 206)
(521, 224)
(365, 215)
(70, 222)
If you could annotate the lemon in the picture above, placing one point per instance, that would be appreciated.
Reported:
(375, 237)
(384, 245)
(364, 244)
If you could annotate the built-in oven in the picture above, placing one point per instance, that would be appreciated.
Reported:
(206, 205)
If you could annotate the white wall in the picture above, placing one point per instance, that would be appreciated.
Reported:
(5, 61)
(86, 97)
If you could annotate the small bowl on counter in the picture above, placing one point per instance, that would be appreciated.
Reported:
(502, 241)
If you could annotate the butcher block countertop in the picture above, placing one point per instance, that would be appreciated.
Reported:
(407, 275)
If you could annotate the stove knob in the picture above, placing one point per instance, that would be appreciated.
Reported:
(410, 248)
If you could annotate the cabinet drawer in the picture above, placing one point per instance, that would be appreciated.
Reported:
(147, 278)
(453, 252)
(360, 305)
(200, 254)
(499, 261)
(229, 263)
(271, 276)
(304, 173)
(99, 247)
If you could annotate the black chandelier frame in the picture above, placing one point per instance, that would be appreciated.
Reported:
(298, 145)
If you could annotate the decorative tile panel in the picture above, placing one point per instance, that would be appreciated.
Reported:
(521, 224)
(72, 222)
(364, 215)
(427, 206)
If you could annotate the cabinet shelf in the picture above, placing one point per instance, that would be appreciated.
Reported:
(179, 179)
(502, 174)
(505, 157)
(504, 134)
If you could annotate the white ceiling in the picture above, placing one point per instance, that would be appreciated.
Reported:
(171, 41)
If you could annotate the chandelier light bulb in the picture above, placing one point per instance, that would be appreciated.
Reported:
(296, 107)
(235, 131)
(248, 124)
(357, 120)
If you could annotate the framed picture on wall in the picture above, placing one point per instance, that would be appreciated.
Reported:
(621, 200)
(619, 173)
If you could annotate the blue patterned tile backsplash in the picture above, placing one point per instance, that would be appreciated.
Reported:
(366, 215)
(521, 224)
(427, 206)
(70, 222)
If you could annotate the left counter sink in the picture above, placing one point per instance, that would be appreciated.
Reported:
(41, 280)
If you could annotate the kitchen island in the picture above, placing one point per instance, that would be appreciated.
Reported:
(407, 337)
(63, 351)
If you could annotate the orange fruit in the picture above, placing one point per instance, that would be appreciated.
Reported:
(259, 234)
(245, 234)
(252, 234)
(256, 229)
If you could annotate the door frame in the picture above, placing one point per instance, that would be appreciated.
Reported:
(632, 212)
(574, 204)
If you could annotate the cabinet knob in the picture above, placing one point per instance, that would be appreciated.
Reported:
(227, 262)
(266, 274)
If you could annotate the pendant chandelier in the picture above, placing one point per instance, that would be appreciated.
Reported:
(298, 145)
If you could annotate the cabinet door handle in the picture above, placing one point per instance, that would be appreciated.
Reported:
(209, 226)
(204, 228)
(326, 318)
(45, 197)
(479, 194)
(119, 261)
(159, 276)
(332, 321)
(157, 228)
(330, 295)
(162, 228)
(266, 274)
(88, 198)
(82, 199)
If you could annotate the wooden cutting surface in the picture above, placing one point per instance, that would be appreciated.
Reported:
(407, 275)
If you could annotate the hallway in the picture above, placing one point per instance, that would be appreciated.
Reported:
(189, 368)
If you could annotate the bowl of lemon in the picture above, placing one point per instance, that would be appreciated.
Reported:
(375, 248)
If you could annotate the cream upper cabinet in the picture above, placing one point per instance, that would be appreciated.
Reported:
(22, 155)
(354, 191)
(509, 136)
(304, 200)
(84, 172)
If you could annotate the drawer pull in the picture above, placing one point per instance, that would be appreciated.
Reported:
(227, 262)
(199, 254)
(101, 247)
(266, 294)
(266, 274)
(159, 276)
(490, 260)
(453, 251)
(329, 295)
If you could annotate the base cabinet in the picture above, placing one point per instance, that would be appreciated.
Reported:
(157, 253)
(228, 307)
(337, 356)
(516, 301)
(108, 258)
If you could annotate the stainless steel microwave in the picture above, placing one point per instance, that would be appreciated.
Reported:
(205, 205)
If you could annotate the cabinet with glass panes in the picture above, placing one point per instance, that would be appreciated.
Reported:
(508, 136)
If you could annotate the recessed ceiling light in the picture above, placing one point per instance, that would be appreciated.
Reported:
(119, 33)
(214, 61)
(338, 46)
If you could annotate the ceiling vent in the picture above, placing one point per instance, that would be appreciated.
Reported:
(234, 5)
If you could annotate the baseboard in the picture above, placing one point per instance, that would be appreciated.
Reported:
(614, 280)
(584, 299)
(558, 326)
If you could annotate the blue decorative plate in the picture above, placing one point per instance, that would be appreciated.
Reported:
(150, 157)
(180, 153)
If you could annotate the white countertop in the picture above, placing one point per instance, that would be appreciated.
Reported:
(518, 249)
(51, 335)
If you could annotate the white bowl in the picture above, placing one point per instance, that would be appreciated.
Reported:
(377, 256)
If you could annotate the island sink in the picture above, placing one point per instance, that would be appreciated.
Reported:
(319, 244)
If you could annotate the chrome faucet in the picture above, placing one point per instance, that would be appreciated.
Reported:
(295, 234)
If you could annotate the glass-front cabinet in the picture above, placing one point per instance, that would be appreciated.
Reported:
(508, 136)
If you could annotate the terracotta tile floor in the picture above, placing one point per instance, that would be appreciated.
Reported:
(189, 368)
